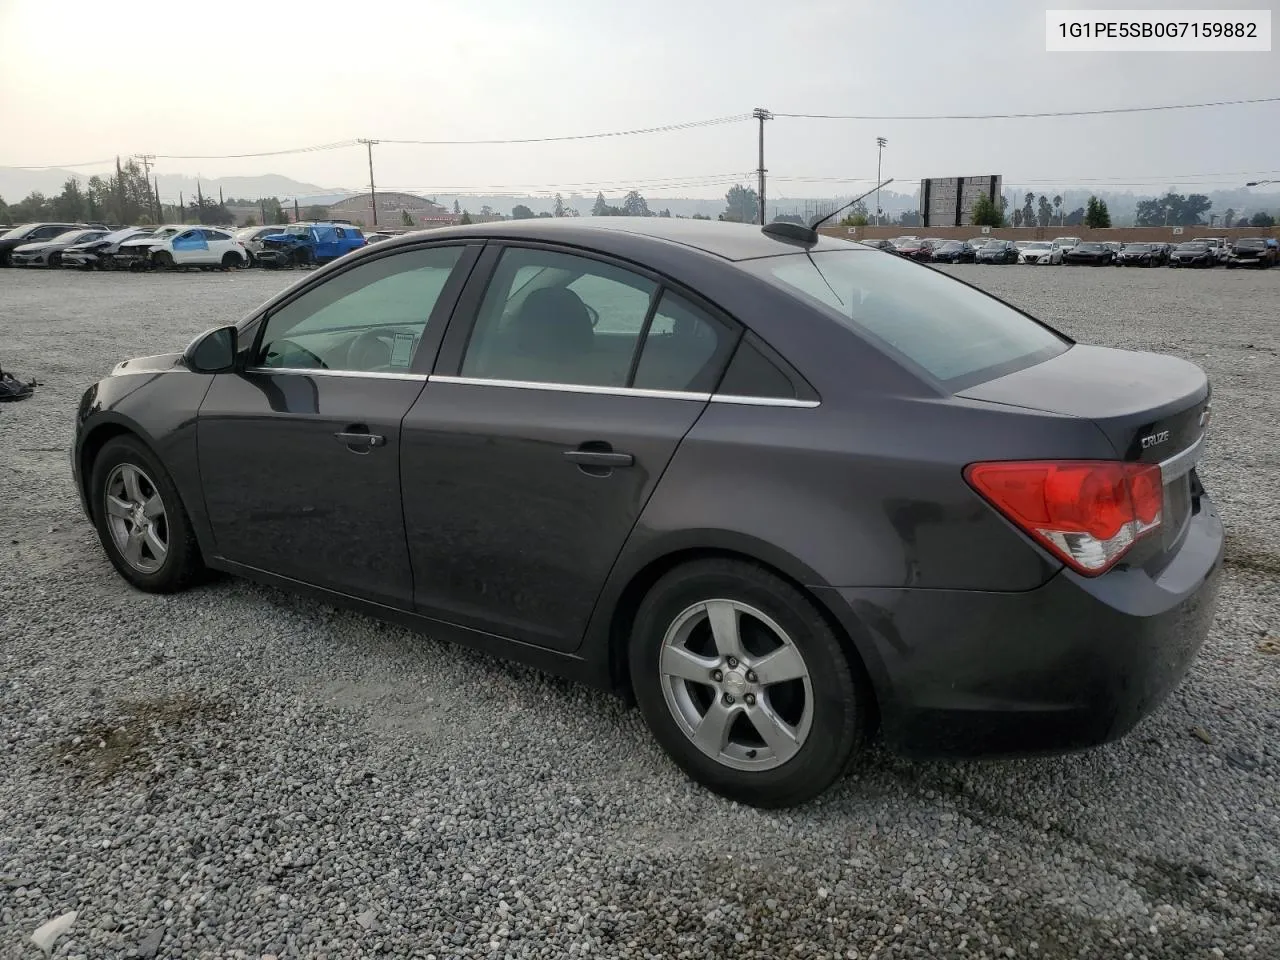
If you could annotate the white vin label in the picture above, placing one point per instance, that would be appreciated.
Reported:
(1157, 31)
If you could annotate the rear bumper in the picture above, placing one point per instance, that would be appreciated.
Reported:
(1072, 664)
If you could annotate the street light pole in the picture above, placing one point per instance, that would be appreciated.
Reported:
(881, 143)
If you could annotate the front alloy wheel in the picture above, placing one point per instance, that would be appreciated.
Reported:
(136, 517)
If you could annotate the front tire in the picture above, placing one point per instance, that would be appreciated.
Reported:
(745, 684)
(162, 260)
(140, 518)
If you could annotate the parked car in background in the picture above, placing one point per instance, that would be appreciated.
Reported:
(1221, 246)
(1251, 252)
(32, 233)
(1193, 253)
(1115, 247)
(1040, 251)
(1139, 255)
(1162, 251)
(912, 248)
(1066, 243)
(1088, 253)
(381, 235)
(977, 242)
(48, 253)
(997, 251)
(1011, 553)
(100, 252)
(179, 245)
(952, 251)
(301, 244)
(251, 237)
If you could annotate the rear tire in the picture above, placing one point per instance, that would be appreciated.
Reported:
(783, 741)
(230, 261)
(54, 261)
(137, 512)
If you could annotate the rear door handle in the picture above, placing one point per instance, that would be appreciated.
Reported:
(360, 438)
(599, 458)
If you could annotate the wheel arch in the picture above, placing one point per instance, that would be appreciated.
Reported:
(91, 446)
(854, 640)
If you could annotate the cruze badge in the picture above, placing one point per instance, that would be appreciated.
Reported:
(1155, 438)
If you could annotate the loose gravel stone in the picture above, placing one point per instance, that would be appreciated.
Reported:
(251, 774)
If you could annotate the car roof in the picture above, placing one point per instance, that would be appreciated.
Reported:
(731, 241)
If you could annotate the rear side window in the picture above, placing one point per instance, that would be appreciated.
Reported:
(952, 332)
(684, 348)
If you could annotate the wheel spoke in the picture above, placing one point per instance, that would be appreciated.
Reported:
(712, 732)
(775, 732)
(783, 664)
(153, 507)
(132, 549)
(679, 662)
(154, 543)
(723, 617)
(131, 486)
(118, 508)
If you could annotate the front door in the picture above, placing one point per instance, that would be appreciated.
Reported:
(300, 451)
(528, 459)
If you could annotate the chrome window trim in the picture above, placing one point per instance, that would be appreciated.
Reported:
(572, 388)
(701, 397)
(1180, 464)
(324, 372)
(765, 401)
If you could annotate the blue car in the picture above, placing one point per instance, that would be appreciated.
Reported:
(308, 243)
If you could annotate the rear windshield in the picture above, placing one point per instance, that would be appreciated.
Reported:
(955, 333)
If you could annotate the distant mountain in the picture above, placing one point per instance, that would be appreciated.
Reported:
(16, 183)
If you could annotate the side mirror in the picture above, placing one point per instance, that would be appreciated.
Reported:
(214, 351)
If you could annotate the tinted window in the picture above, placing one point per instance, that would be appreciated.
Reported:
(751, 374)
(369, 318)
(554, 318)
(216, 235)
(683, 350)
(953, 332)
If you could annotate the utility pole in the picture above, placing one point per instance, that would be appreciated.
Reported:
(159, 205)
(881, 143)
(146, 159)
(761, 114)
(373, 195)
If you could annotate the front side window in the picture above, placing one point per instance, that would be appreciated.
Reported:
(367, 319)
(953, 332)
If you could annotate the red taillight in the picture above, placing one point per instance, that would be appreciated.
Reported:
(1086, 512)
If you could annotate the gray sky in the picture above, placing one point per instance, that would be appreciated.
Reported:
(196, 78)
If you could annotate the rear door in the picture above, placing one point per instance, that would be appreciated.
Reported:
(564, 386)
(300, 450)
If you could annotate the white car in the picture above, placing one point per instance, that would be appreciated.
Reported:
(1040, 251)
(1065, 243)
(183, 246)
(48, 253)
(1221, 246)
(251, 237)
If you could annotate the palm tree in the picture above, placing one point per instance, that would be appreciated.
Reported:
(1057, 205)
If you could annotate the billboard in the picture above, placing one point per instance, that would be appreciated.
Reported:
(948, 201)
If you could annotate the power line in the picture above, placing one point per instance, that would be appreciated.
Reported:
(665, 128)
(1022, 116)
(62, 166)
(337, 145)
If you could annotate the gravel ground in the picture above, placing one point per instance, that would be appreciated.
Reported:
(235, 773)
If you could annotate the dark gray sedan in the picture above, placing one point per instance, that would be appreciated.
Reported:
(780, 489)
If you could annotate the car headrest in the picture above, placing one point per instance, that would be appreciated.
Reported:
(553, 322)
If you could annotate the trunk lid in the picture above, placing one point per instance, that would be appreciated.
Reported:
(1151, 407)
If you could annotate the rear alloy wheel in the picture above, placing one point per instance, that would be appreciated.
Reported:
(745, 684)
(140, 519)
(230, 261)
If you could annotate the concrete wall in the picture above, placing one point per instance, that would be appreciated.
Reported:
(1122, 234)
